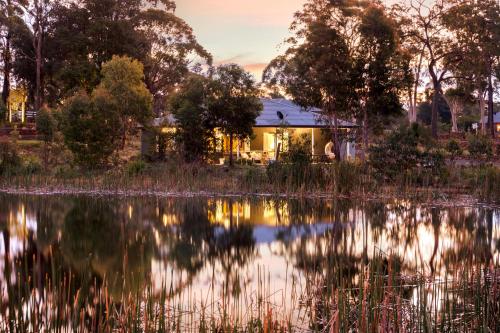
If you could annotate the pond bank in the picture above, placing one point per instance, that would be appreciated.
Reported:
(464, 185)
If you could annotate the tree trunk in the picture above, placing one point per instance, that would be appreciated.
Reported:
(455, 109)
(365, 133)
(414, 93)
(436, 85)
(231, 161)
(38, 38)
(336, 143)
(482, 107)
(434, 119)
(7, 61)
(491, 125)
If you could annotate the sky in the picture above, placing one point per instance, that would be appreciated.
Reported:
(246, 32)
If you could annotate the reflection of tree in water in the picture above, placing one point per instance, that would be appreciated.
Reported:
(234, 248)
(97, 238)
(473, 234)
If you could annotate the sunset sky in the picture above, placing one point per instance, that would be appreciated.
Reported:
(246, 32)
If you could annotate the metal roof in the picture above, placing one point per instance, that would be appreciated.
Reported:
(282, 112)
(278, 113)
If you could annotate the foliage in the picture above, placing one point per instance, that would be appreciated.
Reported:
(31, 165)
(194, 129)
(122, 81)
(299, 151)
(91, 126)
(480, 146)
(3, 112)
(136, 167)
(84, 35)
(45, 124)
(345, 59)
(406, 151)
(10, 162)
(453, 148)
(233, 102)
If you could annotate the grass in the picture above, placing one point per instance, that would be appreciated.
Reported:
(342, 179)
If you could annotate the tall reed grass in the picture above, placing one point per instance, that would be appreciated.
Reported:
(335, 179)
(382, 299)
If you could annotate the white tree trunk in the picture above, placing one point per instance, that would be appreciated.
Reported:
(482, 107)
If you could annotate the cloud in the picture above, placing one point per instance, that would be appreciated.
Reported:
(261, 12)
(237, 59)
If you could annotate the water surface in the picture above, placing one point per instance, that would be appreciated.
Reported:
(210, 252)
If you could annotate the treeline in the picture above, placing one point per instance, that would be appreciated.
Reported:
(362, 60)
(357, 60)
(56, 48)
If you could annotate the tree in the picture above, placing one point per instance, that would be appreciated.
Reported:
(83, 35)
(91, 126)
(193, 120)
(383, 69)
(476, 29)
(317, 70)
(344, 59)
(10, 19)
(234, 103)
(456, 98)
(172, 51)
(429, 30)
(37, 13)
(122, 81)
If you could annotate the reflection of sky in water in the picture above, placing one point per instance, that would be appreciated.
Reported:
(246, 248)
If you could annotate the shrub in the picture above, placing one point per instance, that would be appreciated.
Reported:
(10, 162)
(406, 152)
(32, 165)
(45, 124)
(135, 168)
(91, 128)
(299, 151)
(3, 111)
(454, 149)
(480, 146)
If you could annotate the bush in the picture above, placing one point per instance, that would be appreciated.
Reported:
(135, 168)
(91, 128)
(10, 162)
(45, 124)
(32, 165)
(3, 111)
(454, 149)
(406, 152)
(299, 151)
(480, 146)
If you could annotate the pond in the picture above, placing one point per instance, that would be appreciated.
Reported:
(79, 263)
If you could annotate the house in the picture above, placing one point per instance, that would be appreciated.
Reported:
(280, 122)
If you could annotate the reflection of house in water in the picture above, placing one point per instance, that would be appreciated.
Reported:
(233, 213)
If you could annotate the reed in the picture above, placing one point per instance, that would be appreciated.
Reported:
(337, 179)
(382, 298)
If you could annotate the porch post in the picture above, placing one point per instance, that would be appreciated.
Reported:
(238, 142)
(312, 142)
(10, 113)
(23, 112)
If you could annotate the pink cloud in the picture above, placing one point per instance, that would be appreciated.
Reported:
(264, 12)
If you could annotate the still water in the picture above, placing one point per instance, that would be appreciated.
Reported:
(205, 251)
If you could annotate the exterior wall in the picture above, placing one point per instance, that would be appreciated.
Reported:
(321, 137)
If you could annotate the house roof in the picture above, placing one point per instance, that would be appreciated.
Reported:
(279, 113)
(282, 112)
